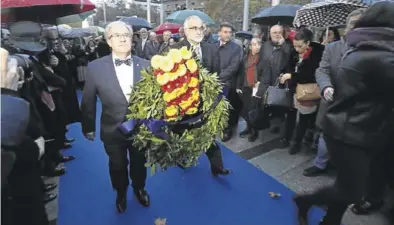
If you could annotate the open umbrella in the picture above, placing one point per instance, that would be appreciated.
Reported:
(180, 16)
(45, 11)
(136, 22)
(330, 13)
(173, 27)
(280, 14)
(244, 34)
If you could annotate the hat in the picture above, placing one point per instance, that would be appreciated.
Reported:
(26, 35)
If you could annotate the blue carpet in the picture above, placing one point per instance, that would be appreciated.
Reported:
(184, 197)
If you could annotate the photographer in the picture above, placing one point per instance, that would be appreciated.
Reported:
(23, 138)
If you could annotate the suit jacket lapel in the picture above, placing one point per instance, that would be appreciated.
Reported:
(136, 70)
(113, 78)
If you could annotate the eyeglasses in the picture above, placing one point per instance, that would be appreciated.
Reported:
(195, 28)
(118, 36)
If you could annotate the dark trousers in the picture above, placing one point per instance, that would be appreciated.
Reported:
(214, 155)
(235, 111)
(119, 165)
(247, 103)
(353, 164)
(305, 122)
(289, 116)
(381, 175)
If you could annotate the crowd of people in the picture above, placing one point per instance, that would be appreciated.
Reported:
(340, 105)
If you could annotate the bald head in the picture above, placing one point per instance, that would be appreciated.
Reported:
(276, 33)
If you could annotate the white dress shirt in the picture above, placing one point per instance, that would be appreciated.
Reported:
(143, 43)
(125, 75)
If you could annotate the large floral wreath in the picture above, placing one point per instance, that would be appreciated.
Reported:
(186, 101)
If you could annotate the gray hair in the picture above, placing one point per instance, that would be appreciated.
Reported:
(108, 28)
(143, 30)
(258, 40)
(188, 19)
(152, 33)
(354, 13)
(167, 32)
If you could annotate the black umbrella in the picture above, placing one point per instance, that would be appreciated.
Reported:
(136, 22)
(244, 34)
(280, 14)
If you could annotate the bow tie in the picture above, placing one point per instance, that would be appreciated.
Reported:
(119, 62)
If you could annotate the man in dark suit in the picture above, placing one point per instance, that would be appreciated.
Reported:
(152, 46)
(229, 57)
(205, 53)
(111, 78)
(141, 43)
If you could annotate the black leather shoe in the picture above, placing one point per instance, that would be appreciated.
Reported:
(67, 159)
(227, 136)
(313, 171)
(56, 172)
(142, 196)
(69, 140)
(121, 202)
(220, 171)
(181, 166)
(49, 197)
(49, 187)
(67, 145)
(302, 210)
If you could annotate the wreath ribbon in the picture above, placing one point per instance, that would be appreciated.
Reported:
(157, 126)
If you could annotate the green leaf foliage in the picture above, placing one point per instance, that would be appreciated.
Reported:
(185, 147)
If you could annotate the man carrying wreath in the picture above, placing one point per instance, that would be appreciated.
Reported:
(205, 54)
(111, 78)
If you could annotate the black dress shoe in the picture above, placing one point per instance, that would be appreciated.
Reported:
(69, 140)
(121, 202)
(142, 196)
(220, 171)
(67, 145)
(67, 159)
(56, 172)
(49, 197)
(227, 136)
(49, 187)
(302, 210)
(313, 171)
(181, 166)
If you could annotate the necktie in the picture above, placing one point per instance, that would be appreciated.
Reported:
(119, 62)
(197, 52)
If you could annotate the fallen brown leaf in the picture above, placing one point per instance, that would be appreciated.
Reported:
(161, 221)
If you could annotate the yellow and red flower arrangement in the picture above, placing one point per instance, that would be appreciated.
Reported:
(177, 74)
(174, 88)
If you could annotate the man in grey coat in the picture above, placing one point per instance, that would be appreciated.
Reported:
(328, 68)
(111, 78)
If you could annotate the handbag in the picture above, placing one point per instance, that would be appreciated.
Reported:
(307, 92)
(279, 97)
(81, 72)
